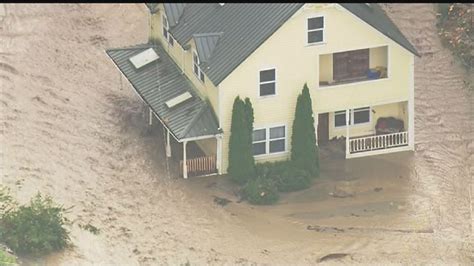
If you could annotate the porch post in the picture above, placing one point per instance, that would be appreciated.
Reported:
(168, 147)
(150, 117)
(185, 167)
(347, 133)
(219, 154)
(411, 106)
(316, 121)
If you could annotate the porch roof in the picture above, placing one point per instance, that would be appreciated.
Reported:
(160, 81)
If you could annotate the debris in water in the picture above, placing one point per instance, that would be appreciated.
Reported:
(333, 256)
(221, 201)
(340, 194)
(377, 189)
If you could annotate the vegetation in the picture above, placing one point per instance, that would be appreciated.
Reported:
(455, 29)
(89, 227)
(35, 229)
(304, 152)
(261, 191)
(6, 259)
(241, 162)
(286, 176)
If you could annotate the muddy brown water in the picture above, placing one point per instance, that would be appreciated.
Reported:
(72, 128)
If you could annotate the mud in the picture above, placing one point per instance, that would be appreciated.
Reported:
(73, 128)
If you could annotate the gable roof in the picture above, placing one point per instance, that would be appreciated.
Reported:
(245, 26)
(205, 44)
(160, 81)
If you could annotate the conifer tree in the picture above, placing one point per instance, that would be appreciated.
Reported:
(241, 162)
(304, 152)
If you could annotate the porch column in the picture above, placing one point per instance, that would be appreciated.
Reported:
(347, 133)
(219, 154)
(168, 147)
(185, 167)
(411, 106)
(150, 117)
(316, 121)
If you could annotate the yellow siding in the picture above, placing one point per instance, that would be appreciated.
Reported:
(397, 110)
(378, 57)
(184, 60)
(297, 64)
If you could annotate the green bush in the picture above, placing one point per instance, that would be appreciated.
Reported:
(293, 179)
(285, 174)
(455, 28)
(261, 191)
(36, 229)
(6, 259)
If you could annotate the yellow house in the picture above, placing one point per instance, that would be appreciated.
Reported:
(357, 64)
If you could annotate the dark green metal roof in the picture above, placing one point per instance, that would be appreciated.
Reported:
(160, 81)
(245, 26)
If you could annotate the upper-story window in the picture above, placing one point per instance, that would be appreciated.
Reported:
(267, 84)
(316, 30)
(196, 69)
(166, 28)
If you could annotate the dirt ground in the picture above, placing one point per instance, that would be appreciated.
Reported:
(73, 128)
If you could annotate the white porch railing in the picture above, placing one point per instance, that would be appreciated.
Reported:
(378, 142)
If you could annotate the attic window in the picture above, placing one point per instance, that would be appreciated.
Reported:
(144, 58)
(166, 32)
(196, 68)
(315, 30)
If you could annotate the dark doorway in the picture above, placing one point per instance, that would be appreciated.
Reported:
(323, 128)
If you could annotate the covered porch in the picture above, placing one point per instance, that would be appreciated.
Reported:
(190, 126)
(372, 130)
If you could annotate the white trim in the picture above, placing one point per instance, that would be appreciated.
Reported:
(377, 152)
(267, 140)
(365, 105)
(351, 113)
(200, 138)
(200, 72)
(323, 29)
(267, 82)
(167, 38)
(351, 83)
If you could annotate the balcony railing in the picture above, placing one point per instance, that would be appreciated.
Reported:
(200, 166)
(378, 142)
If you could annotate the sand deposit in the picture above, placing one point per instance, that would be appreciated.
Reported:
(73, 128)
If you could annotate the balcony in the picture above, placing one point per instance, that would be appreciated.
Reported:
(353, 66)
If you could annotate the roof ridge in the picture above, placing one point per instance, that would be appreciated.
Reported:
(195, 118)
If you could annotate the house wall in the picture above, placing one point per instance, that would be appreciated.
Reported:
(397, 110)
(297, 64)
(208, 146)
(184, 59)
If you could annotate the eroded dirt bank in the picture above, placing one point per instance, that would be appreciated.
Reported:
(72, 128)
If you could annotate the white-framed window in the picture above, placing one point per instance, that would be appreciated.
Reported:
(196, 68)
(359, 116)
(269, 140)
(166, 29)
(315, 30)
(267, 82)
